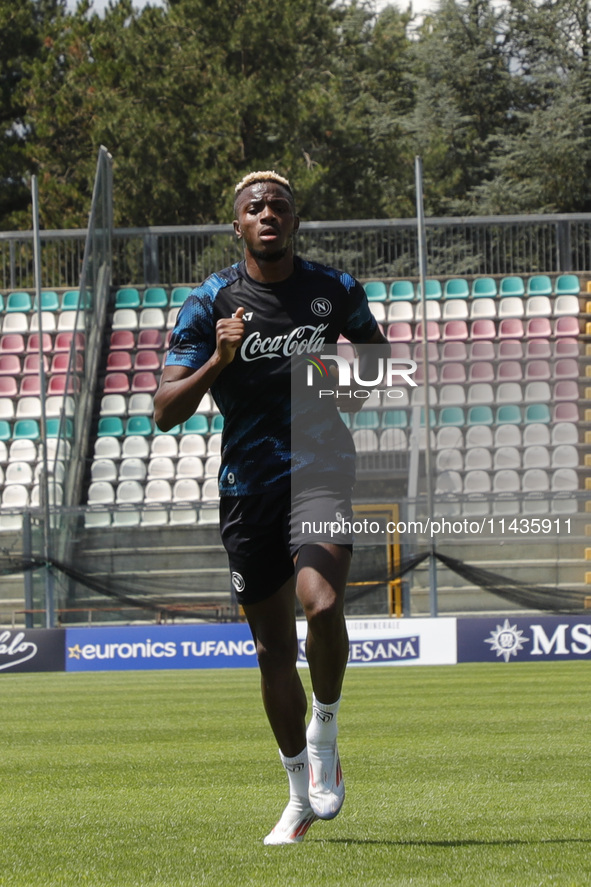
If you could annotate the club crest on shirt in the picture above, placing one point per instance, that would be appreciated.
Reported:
(321, 307)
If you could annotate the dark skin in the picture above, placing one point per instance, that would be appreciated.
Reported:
(266, 221)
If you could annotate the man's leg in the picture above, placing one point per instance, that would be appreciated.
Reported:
(272, 623)
(322, 571)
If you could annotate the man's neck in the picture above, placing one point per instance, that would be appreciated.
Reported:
(264, 271)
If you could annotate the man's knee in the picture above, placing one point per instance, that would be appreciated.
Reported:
(324, 614)
(277, 658)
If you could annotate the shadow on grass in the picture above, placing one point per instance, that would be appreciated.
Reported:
(468, 842)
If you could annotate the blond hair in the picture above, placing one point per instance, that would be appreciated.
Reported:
(268, 175)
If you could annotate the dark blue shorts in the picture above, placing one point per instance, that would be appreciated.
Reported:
(262, 534)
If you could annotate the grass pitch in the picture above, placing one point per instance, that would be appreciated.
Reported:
(469, 774)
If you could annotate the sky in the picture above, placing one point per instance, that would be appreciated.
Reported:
(419, 6)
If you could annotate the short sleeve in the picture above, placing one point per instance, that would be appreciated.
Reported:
(360, 324)
(193, 339)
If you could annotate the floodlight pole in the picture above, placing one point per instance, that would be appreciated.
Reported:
(422, 244)
(44, 477)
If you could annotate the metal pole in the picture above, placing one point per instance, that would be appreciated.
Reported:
(422, 244)
(44, 476)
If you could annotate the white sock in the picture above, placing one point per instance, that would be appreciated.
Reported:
(323, 726)
(297, 773)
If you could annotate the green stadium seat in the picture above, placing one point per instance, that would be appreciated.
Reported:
(110, 426)
(53, 427)
(49, 301)
(484, 287)
(366, 419)
(456, 288)
(537, 412)
(375, 290)
(176, 429)
(70, 300)
(140, 425)
(196, 424)
(178, 295)
(155, 297)
(433, 289)
(394, 419)
(402, 291)
(480, 415)
(19, 302)
(512, 286)
(432, 417)
(5, 430)
(539, 285)
(26, 429)
(127, 297)
(217, 423)
(567, 285)
(508, 414)
(451, 416)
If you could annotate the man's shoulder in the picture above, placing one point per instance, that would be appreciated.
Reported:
(343, 278)
(216, 282)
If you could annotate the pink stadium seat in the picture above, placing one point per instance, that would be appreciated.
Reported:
(511, 328)
(118, 362)
(538, 349)
(566, 412)
(12, 343)
(566, 368)
(482, 329)
(453, 373)
(455, 331)
(122, 340)
(567, 347)
(400, 351)
(433, 332)
(10, 364)
(567, 390)
(116, 383)
(61, 361)
(8, 386)
(566, 326)
(432, 352)
(419, 376)
(454, 351)
(146, 360)
(537, 369)
(509, 371)
(482, 349)
(30, 386)
(538, 327)
(510, 349)
(33, 342)
(144, 382)
(31, 364)
(150, 339)
(399, 332)
(63, 341)
(481, 371)
(61, 384)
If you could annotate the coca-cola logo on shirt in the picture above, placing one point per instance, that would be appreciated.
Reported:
(302, 340)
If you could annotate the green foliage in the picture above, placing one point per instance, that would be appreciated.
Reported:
(191, 96)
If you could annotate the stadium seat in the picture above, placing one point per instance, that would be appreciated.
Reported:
(152, 318)
(170, 319)
(537, 370)
(116, 383)
(564, 433)
(433, 290)
(402, 290)
(509, 371)
(449, 437)
(538, 306)
(146, 360)
(507, 457)
(70, 300)
(28, 408)
(477, 481)
(110, 426)
(49, 301)
(191, 466)
(69, 321)
(161, 468)
(365, 440)
(564, 390)
(510, 349)
(150, 339)
(15, 496)
(566, 326)
(456, 309)
(107, 447)
(12, 343)
(392, 439)
(18, 473)
(448, 482)
(63, 342)
(375, 290)
(449, 460)
(508, 393)
(451, 395)
(210, 489)
(127, 297)
(139, 425)
(132, 468)
(63, 384)
(508, 414)
(483, 309)
(566, 305)
(482, 329)
(125, 319)
(135, 446)
(453, 373)
(432, 309)
(539, 285)
(154, 297)
(55, 494)
(484, 287)
(20, 301)
(512, 286)
(119, 361)
(419, 377)
(144, 382)
(181, 515)
(178, 296)
(538, 349)
(481, 371)
(186, 489)
(456, 288)
(158, 490)
(217, 423)
(103, 470)
(129, 492)
(400, 311)
(140, 404)
(113, 405)
(5, 430)
(214, 444)
(481, 393)
(455, 330)
(565, 456)
(567, 284)
(536, 434)
(511, 328)
(192, 445)
(452, 351)
(15, 323)
(536, 413)
(48, 322)
(453, 416)
(511, 306)
(537, 392)
(126, 516)
(122, 340)
(566, 368)
(399, 332)
(538, 327)
(536, 456)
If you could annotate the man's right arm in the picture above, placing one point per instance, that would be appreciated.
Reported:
(182, 388)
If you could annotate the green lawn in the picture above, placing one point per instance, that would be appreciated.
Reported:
(470, 774)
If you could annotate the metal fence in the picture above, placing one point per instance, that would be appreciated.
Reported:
(494, 245)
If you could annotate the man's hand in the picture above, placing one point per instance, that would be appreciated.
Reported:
(229, 335)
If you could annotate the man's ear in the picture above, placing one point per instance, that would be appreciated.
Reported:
(237, 229)
(296, 224)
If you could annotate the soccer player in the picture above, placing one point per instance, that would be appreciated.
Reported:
(236, 334)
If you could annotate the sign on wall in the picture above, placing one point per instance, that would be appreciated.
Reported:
(35, 649)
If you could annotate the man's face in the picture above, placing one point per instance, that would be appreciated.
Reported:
(266, 220)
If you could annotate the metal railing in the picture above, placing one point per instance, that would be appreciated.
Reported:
(385, 248)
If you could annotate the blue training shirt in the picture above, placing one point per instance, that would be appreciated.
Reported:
(299, 316)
